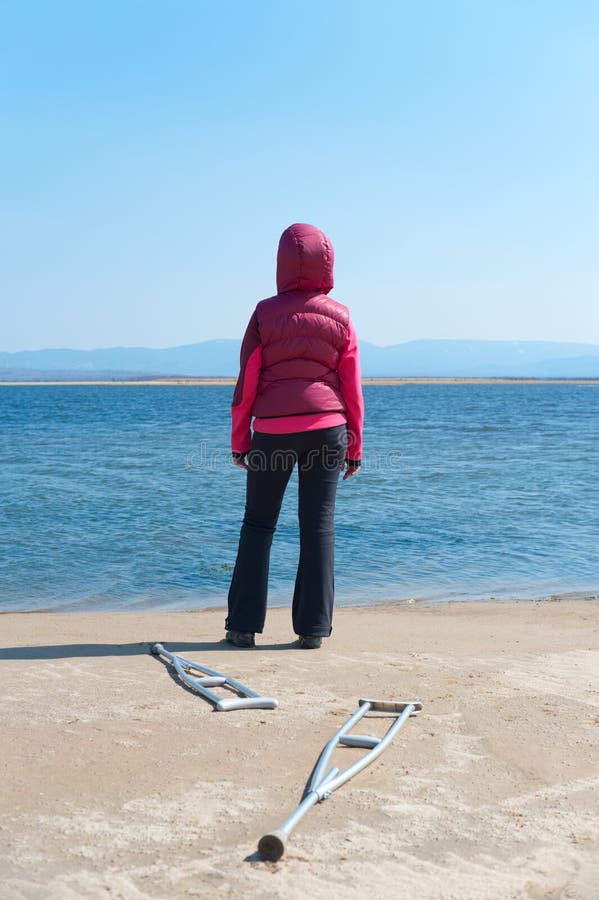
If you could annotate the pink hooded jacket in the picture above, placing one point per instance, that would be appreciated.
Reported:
(299, 357)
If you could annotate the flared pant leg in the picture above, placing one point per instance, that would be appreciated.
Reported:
(314, 594)
(267, 479)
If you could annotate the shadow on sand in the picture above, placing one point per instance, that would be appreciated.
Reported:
(67, 651)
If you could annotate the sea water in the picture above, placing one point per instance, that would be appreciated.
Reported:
(123, 497)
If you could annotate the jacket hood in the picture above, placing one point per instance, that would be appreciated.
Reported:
(305, 260)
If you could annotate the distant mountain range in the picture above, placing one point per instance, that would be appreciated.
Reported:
(435, 358)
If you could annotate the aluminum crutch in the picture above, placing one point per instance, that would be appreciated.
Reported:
(209, 678)
(320, 787)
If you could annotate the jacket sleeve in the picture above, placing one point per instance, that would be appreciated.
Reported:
(246, 387)
(350, 379)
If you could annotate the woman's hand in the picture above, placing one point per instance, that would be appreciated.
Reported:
(351, 467)
(239, 460)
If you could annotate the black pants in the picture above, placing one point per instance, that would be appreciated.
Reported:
(271, 460)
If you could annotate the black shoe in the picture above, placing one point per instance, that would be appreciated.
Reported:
(310, 643)
(241, 638)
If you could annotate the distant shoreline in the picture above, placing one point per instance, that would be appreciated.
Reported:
(228, 382)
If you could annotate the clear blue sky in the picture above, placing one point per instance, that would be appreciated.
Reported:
(152, 152)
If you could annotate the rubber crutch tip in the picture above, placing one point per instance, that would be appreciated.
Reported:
(271, 847)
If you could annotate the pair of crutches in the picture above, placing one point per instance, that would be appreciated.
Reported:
(320, 787)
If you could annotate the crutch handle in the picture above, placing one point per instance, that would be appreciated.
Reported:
(226, 705)
(363, 741)
(272, 846)
(395, 706)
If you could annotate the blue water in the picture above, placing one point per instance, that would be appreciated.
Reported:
(123, 497)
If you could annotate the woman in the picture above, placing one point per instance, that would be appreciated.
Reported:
(300, 379)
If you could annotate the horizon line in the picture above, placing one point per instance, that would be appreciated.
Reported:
(362, 341)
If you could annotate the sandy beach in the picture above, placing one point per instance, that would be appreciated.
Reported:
(119, 782)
